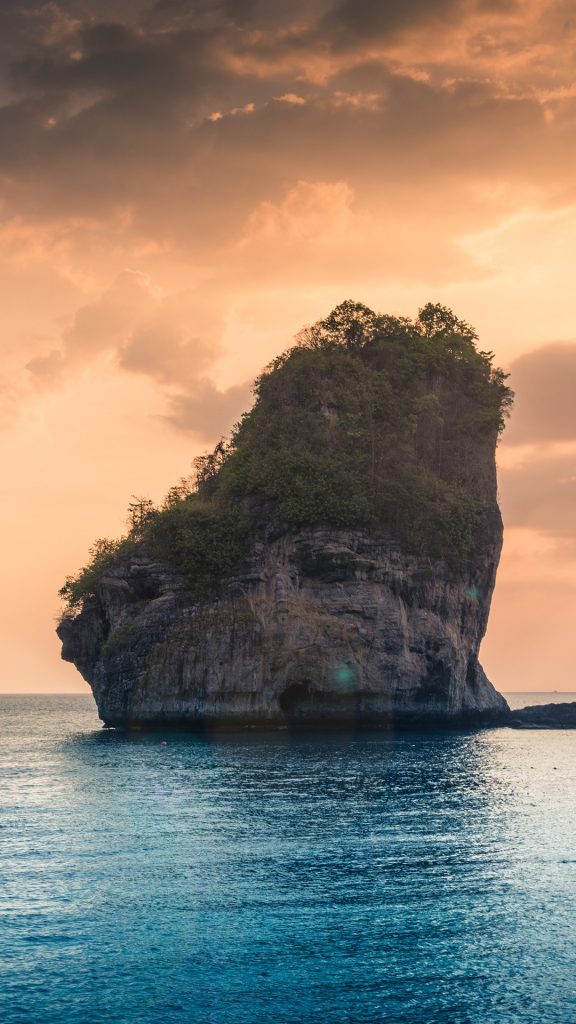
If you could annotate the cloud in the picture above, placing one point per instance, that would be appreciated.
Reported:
(291, 97)
(141, 328)
(538, 486)
(158, 350)
(318, 230)
(352, 21)
(544, 382)
(206, 412)
(190, 135)
(117, 118)
(145, 332)
(97, 327)
(540, 494)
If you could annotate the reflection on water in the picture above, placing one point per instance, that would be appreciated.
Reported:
(255, 879)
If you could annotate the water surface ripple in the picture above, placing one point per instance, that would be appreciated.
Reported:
(422, 878)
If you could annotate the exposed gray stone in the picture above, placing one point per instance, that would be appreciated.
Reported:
(320, 626)
(545, 716)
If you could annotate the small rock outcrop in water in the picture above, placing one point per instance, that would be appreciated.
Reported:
(333, 563)
(545, 716)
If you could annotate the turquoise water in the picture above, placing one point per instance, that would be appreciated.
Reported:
(425, 878)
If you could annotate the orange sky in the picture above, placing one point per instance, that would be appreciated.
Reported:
(184, 186)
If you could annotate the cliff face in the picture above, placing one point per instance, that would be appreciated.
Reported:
(321, 625)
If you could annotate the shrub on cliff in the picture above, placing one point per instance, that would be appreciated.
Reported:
(103, 555)
(370, 421)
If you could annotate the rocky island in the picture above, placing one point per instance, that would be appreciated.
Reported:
(332, 563)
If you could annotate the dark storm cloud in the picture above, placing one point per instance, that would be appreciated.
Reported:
(351, 23)
(545, 384)
(144, 140)
(353, 20)
(115, 114)
(222, 12)
(118, 60)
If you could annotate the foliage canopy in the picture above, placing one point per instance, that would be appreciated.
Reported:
(370, 421)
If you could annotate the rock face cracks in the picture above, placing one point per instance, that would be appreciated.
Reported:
(318, 627)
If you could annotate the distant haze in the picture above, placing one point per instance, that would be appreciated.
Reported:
(185, 186)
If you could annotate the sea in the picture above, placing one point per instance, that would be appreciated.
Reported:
(348, 878)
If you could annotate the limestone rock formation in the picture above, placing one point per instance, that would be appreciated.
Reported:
(361, 590)
(322, 625)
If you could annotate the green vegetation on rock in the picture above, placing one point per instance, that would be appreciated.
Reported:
(370, 421)
(104, 554)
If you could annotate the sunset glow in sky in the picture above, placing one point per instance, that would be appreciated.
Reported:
(185, 185)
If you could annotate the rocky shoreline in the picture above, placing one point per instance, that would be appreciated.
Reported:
(544, 716)
(547, 716)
